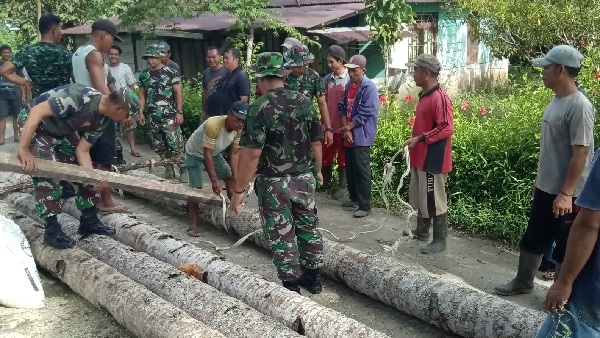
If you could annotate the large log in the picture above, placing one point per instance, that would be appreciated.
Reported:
(74, 173)
(296, 312)
(448, 304)
(223, 313)
(150, 164)
(133, 306)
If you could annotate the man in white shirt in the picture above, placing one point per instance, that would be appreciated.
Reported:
(203, 151)
(124, 78)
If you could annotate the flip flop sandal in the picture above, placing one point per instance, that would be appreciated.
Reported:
(549, 275)
(194, 232)
(136, 154)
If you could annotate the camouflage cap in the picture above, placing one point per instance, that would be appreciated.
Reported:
(298, 56)
(130, 99)
(153, 51)
(310, 58)
(269, 64)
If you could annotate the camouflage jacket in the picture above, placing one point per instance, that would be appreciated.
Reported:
(283, 123)
(308, 84)
(48, 65)
(160, 98)
(76, 110)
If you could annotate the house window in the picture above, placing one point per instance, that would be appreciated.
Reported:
(425, 30)
(472, 48)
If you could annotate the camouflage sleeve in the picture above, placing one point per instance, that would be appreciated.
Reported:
(66, 102)
(18, 59)
(175, 78)
(144, 79)
(319, 86)
(314, 123)
(93, 135)
(254, 133)
(68, 59)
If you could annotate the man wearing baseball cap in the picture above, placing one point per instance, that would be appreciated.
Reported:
(281, 140)
(203, 152)
(288, 43)
(430, 150)
(359, 111)
(165, 49)
(335, 85)
(566, 143)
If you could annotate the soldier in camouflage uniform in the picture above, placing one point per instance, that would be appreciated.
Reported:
(308, 83)
(160, 92)
(62, 125)
(281, 140)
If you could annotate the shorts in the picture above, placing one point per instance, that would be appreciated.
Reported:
(543, 228)
(427, 193)
(104, 151)
(195, 167)
(10, 107)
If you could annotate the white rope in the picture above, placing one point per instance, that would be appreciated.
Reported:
(388, 173)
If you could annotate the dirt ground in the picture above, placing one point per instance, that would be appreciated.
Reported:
(481, 263)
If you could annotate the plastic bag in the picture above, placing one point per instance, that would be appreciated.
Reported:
(20, 284)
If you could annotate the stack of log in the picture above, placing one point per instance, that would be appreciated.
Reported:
(248, 300)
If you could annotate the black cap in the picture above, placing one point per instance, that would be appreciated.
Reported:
(240, 109)
(337, 52)
(164, 47)
(5, 47)
(108, 27)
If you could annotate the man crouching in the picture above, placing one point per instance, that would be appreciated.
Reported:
(61, 125)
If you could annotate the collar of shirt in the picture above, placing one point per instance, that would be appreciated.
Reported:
(344, 74)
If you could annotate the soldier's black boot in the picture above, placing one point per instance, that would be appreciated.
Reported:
(89, 224)
(55, 237)
(311, 280)
(292, 285)
(67, 189)
(120, 158)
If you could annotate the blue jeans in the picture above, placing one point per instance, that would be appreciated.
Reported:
(580, 320)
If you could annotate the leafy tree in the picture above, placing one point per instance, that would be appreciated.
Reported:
(524, 29)
(24, 13)
(387, 19)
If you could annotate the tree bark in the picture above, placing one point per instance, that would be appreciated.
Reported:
(228, 315)
(249, 46)
(132, 305)
(296, 312)
(450, 305)
(148, 164)
(74, 173)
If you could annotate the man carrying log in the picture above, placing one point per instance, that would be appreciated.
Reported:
(161, 96)
(203, 151)
(52, 124)
(282, 137)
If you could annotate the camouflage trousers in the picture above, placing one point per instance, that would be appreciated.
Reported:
(166, 137)
(48, 192)
(286, 205)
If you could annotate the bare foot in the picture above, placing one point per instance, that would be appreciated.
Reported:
(194, 231)
(113, 208)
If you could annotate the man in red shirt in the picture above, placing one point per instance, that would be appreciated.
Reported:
(430, 150)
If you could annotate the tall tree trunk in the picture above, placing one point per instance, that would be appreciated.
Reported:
(454, 307)
(39, 15)
(249, 46)
(223, 313)
(386, 60)
(132, 305)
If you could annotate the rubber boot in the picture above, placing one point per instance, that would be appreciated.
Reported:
(55, 237)
(89, 224)
(311, 280)
(421, 232)
(183, 174)
(523, 282)
(342, 185)
(327, 174)
(440, 232)
(67, 189)
(169, 170)
(292, 285)
(120, 158)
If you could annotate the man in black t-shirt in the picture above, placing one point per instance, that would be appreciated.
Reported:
(211, 75)
(235, 86)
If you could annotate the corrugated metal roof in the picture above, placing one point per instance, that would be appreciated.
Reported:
(298, 17)
(343, 35)
(297, 3)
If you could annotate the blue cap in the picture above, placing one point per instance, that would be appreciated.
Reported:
(560, 55)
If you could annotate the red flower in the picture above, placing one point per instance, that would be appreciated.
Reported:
(409, 98)
(597, 76)
(595, 91)
(483, 110)
(382, 98)
(465, 106)
(411, 120)
(582, 42)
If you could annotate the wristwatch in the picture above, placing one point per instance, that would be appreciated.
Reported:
(329, 129)
(179, 111)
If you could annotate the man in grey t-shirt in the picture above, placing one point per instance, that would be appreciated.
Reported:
(566, 144)
(211, 75)
(11, 98)
(165, 48)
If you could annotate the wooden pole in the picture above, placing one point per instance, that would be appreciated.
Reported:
(132, 305)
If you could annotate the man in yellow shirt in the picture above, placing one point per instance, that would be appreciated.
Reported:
(203, 152)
